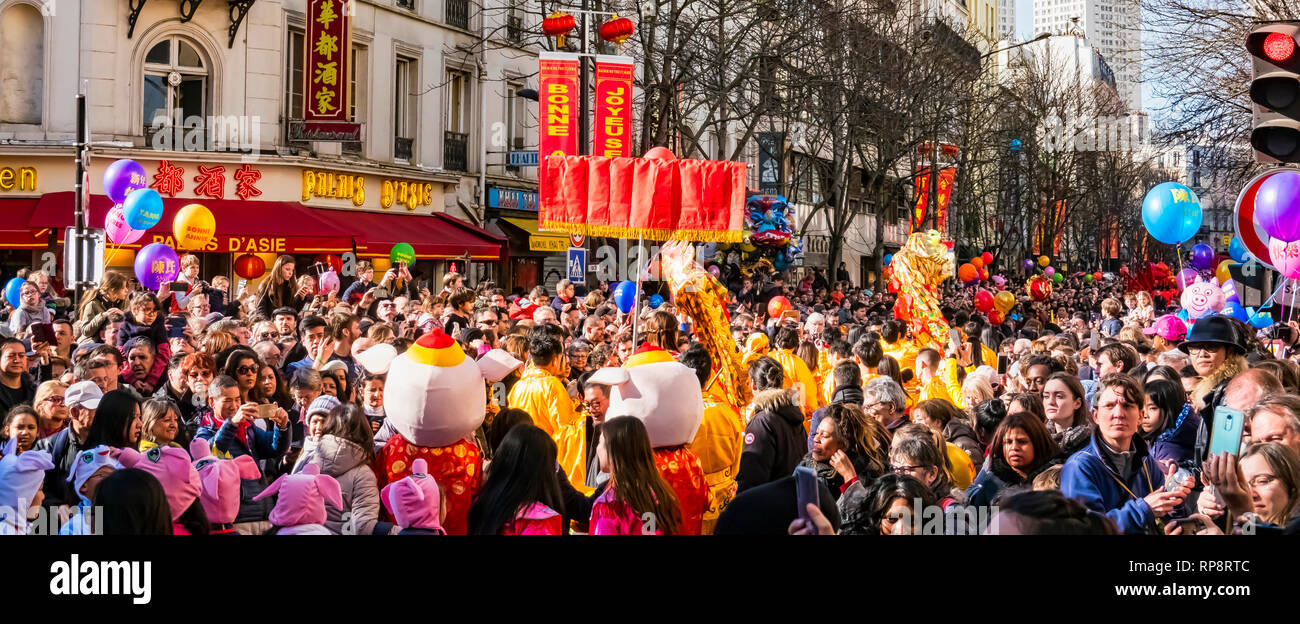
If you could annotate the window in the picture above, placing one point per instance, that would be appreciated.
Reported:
(455, 154)
(359, 68)
(22, 65)
(405, 102)
(516, 118)
(175, 87)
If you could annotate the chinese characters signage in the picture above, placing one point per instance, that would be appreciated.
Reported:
(943, 192)
(210, 181)
(328, 45)
(613, 105)
(558, 127)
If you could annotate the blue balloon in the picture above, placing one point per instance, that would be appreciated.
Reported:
(1235, 310)
(656, 301)
(889, 259)
(625, 296)
(14, 290)
(1171, 213)
(143, 209)
(1237, 249)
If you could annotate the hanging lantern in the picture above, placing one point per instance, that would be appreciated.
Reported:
(249, 266)
(558, 24)
(617, 30)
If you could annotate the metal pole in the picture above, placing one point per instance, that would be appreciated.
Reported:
(79, 208)
(583, 105)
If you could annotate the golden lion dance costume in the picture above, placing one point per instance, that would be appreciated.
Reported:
(919, 267)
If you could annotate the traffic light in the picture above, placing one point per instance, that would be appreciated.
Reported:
(1275, 91)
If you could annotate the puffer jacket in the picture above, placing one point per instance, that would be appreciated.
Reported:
(346, 461)
(999, 476)
(961, 435)
(774, 439)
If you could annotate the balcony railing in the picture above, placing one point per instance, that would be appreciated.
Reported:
(403, 148)
(455, 150)
(458, 13)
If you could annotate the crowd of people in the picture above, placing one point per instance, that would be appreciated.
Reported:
(197, 410)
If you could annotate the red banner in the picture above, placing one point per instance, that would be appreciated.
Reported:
(943, 194)
(922, 196)
(558, 124)
(654, 199)
(328, 49)
(613, 136)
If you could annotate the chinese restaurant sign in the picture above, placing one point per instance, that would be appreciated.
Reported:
(328, 44)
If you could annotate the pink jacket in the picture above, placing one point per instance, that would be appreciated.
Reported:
(538, 519)
(611, 517)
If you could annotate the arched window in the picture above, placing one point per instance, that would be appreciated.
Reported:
(176, 86)
(22, 65)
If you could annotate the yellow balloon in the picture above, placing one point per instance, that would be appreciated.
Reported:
(193, 227)
(1044, 261)
(1223, 272)
(1004, 301)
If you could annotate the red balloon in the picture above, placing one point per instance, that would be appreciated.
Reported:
(995, 317)
(983, 301)
(249, 266)
(988, 258)
(984, 274)
(778, 306)
(661, 153)
(1040, 288)
(1096, 276)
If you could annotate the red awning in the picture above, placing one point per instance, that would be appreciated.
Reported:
(242, 226)
(14, 215)
(433, 236)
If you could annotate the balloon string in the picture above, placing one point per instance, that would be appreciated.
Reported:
(1268, 302)
(1291, 312)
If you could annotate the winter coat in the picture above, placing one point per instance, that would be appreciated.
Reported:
(959, 433)
(774, 439)
(1177, 441)
(347, 463)
(826, 474)
(1090, 477)
(24, 316)
(611, 517)
(997, 477)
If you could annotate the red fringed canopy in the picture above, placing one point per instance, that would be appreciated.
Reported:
(647, 198)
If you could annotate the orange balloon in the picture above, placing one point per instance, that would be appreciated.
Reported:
(967, 272)
(978, 262)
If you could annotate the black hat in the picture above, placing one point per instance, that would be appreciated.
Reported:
(1213, 329)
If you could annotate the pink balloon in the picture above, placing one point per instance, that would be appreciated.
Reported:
(1202, 299)
(714, 270)
(329, 282)
(1286, 257)
(1049, 271)
(119, 233)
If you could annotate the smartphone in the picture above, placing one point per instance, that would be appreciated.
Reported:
(1190, 525)
(954, 336)
(179, 286)
(1094, 341)
(1226, 435)
(1002, 364)
(43, 332)
(175, 327)
(805, 488)
(267, 410)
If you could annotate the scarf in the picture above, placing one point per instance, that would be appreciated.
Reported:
(211, 420)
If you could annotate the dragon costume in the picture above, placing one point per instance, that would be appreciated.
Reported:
(919, 267)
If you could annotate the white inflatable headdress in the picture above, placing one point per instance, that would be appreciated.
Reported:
(664, 395)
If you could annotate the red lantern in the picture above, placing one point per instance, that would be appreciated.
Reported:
(617, 30)
(335, 263)
(249, 266)
(558, 24)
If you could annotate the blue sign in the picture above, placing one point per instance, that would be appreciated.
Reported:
(512, 199)
(526, 158)
(577, 264)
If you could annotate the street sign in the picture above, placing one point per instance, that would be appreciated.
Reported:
(83, 258)
(577, 240)
(525, 158)
(577, 264)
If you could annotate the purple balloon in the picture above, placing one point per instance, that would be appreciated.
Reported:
(1203, 256)
(1029, 264)
(122, 177)
(1277, 206)
(1186, 277)
(156, 264)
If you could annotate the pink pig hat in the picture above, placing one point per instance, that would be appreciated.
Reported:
(303, 497)
(172, 467)
(20, 478)
(220, 480)
(414, 501)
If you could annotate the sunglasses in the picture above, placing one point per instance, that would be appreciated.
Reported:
(244, 370)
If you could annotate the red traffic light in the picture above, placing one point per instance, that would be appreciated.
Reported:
(1278, 47)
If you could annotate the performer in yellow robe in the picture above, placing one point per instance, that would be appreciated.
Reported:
(540, 392)
(719, 440)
